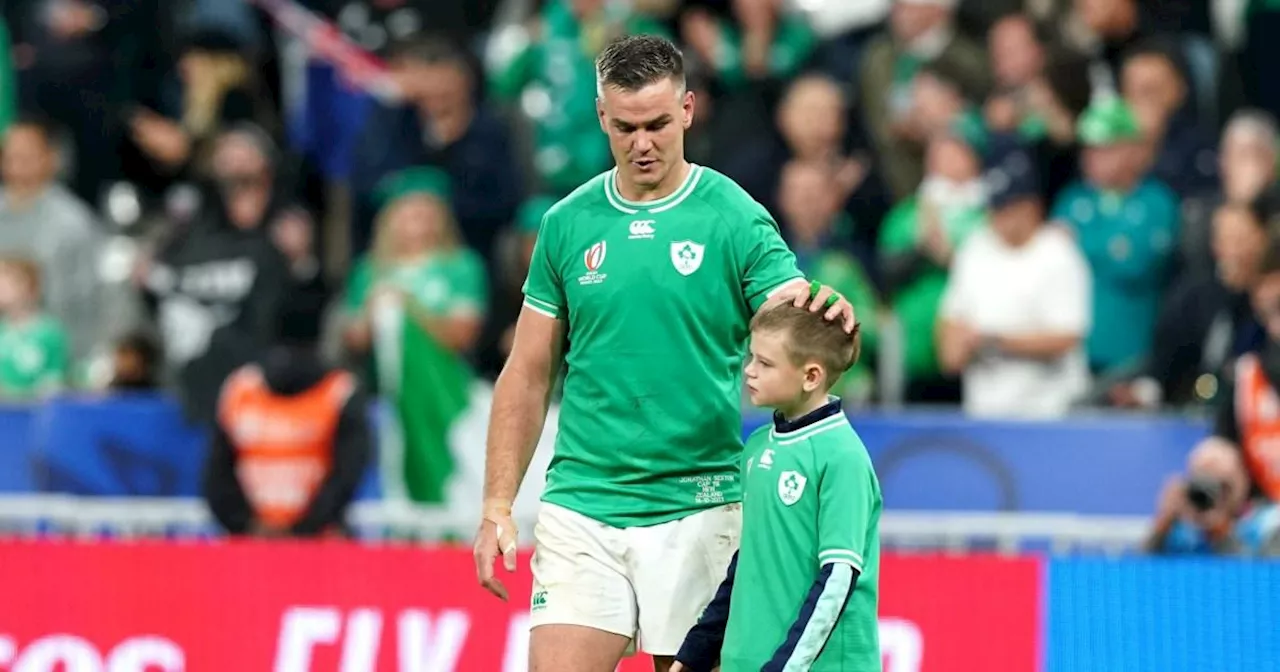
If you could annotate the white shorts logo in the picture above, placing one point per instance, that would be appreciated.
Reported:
(686, 255)
(790, 487)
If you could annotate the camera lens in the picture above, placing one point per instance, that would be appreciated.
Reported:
(1203, 494)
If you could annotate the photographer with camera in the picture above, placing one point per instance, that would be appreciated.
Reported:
(1226, 502)
(1208, 511)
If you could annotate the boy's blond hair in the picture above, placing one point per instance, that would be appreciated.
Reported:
(812, 338)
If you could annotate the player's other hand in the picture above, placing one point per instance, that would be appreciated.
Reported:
(496, 536)
(823, 297)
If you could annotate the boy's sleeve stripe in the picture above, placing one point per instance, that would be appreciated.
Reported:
(841, 555)
(540, 306)
(817, 619)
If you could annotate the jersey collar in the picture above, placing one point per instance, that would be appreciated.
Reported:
(673, 199)
(782, 427)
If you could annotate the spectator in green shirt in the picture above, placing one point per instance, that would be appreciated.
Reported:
(763, 41)
(33, 346)
(811, 210)
(556, 63)
(917, 241)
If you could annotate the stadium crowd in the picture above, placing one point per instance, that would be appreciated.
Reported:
(1033, 205)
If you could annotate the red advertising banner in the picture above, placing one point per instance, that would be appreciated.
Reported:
(331, 606)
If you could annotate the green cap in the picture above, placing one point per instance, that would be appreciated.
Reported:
(1108, 121)
(419, 180)
(529, 217)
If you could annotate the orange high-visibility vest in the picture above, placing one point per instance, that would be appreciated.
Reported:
(283, 444)
(1258, 417)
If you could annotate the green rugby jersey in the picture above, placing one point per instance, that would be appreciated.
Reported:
(810, 512)
(657, 298)
(34, 358)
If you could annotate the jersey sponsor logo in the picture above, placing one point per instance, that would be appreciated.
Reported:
(766, 458)
(791, 487)
(642, 229)
(686, 256)
(593, 258)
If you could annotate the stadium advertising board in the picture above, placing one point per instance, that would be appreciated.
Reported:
(298, 607)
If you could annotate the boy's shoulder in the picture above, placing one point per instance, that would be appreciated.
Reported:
(841, 444)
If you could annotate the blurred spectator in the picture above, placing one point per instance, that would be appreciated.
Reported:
(1039, 92)
(811, 128)
(443, 125)
(765, 40)
(42, 220)
(845, 28)
(219, 89)
(921, 33)
(500, 328)
(1209, 511)
(219, 283)
(1206, 321)
(1250, 149)
(1127, 226)
(34, 358)
(81, 62)
(417, 301)
(1112, 28)
(917, 243)
(291, 444)
(1016, 306)
(552, 75)
(308, 294)
(810, 205)
(1248, 416)
(1154, 84)
(135, 364)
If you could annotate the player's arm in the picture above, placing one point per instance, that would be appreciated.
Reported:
(520, 400)
(700, 651)
(770, 274)
(846, 503)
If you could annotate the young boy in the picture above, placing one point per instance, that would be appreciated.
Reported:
(801, 591)
(33, 347)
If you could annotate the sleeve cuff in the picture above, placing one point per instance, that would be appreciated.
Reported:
(842, 556)
(537, 305)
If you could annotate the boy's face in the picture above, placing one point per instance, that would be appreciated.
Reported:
(772, 378)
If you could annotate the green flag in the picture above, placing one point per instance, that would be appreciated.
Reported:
(425, 386)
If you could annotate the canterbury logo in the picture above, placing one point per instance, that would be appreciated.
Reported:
(642, 228)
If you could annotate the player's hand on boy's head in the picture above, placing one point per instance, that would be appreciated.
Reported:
(818, 297)
(496, 536)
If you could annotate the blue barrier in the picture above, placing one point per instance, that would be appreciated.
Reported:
(926, 461)
(944, 462)
(1162, 615)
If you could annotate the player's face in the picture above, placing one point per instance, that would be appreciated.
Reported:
(772, 378)
(646, 129)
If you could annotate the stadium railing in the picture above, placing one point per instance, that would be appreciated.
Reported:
(81, 517)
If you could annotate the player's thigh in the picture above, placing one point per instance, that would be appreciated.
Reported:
(575, 648)
(579, 576)
(676, 568)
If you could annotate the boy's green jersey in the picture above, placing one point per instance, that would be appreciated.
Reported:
(657, 298)
(810, 531)
(33, 358)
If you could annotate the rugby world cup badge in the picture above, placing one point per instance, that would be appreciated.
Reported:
(594, 259)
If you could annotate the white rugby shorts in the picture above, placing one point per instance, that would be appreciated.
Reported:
(646, 583)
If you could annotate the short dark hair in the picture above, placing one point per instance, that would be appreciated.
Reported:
(633, 62)
(810, 337)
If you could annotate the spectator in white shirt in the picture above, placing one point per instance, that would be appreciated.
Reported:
(1016, 307)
